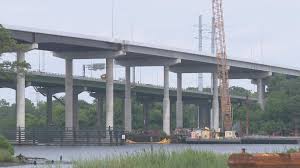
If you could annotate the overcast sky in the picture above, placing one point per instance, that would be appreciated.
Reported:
(265, 31)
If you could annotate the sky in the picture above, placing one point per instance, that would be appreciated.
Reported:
(263, 31)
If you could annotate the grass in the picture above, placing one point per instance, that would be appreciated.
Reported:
(184, 159)
(6, 151)
(5, 156)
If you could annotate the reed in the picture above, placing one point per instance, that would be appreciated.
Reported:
(158, 159)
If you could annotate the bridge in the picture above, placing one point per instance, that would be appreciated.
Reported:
(130, 54)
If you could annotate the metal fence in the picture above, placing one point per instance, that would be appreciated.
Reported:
(64, 137)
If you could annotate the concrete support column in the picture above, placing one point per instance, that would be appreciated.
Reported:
(49, 107)
(127, 101)
(261, 93)
(199, 117)
(69, 94)
(204, 112)
(166, 103)
(146, 115)
(109, 93)
(99, 112)
(215, 103)
(20, 92)
(75, 111)
(179, 111)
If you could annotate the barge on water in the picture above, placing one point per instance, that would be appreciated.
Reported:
(246, 140)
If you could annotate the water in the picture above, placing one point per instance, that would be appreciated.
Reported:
(96, 152)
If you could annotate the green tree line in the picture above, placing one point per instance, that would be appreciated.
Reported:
(282, 108)
(36, 115)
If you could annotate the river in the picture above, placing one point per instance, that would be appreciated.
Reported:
(70, 153)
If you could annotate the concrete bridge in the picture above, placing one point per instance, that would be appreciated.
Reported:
(73, 46)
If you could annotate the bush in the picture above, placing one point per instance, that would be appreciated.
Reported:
(4, 145)
(292, 150)
(5, 156)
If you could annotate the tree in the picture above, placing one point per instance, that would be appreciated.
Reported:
(239, 91)
(7, 45)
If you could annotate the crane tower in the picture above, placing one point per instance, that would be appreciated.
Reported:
(222, 67)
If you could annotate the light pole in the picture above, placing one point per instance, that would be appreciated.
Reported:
(200, 31)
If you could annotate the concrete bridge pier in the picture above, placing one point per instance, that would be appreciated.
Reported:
(76, 92)
(261, 93)
(157, 61)
(166, 102)
(215, 103)
(199, 117)
(99, 113)
(179, 104)
(127, 101)
(261, 87)
(100, 124)
(109, 93)
(75, 111)
(69, 120)
(109, 56)
(49, 92)
(20, 92)
(146, 114)
(204, 114)
(49, 95)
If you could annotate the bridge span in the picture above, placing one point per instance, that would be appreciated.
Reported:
(130, 54)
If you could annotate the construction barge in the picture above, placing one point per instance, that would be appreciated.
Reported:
(246, 140)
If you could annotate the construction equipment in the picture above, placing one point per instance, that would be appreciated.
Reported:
(222, 67)
(230, 135)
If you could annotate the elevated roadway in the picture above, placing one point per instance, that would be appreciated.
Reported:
(77, 46)
(96, 85)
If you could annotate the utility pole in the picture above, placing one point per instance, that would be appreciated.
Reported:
(200, 75)
(212, 46)
(112, 17)
(212, 77)
(133, 68)
(213, 34)
(200, 32)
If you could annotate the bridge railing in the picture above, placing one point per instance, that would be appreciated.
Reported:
(64, 136)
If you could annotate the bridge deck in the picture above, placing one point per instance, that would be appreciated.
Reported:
(41, 79)
(190, 61)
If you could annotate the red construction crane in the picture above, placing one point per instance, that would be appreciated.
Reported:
(222, 68)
